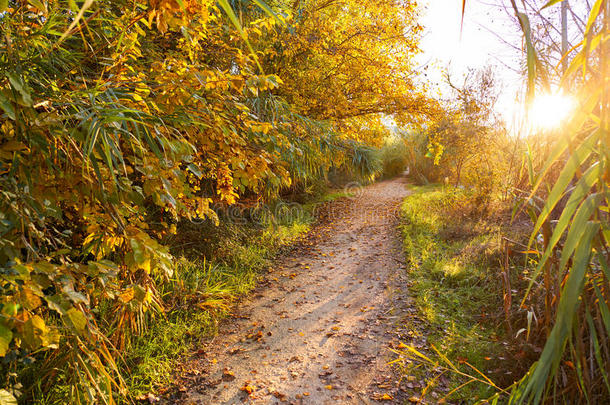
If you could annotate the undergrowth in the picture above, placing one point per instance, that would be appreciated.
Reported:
(199, 297)
(200, 294)
(453, 253)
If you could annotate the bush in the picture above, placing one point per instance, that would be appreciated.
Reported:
(394, 157)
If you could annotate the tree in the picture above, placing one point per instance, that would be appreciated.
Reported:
(467, 137)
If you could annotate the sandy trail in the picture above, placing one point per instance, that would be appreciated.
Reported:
(317, 330)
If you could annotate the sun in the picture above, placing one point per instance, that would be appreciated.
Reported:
(549, 111)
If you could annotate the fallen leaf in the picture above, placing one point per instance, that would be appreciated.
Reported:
(228, 375)
(248, 388)
(279, 395)
(150, 398)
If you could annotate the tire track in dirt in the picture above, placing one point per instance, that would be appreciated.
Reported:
(317, 330)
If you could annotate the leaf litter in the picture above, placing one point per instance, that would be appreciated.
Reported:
(280, 350)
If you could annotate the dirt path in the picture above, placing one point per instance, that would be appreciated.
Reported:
(318, 329)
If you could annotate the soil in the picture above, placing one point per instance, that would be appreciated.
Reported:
(320, 326)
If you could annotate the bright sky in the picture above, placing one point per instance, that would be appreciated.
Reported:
(482, 42)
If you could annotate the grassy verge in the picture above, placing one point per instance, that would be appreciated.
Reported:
(199, 297)
(453, 254)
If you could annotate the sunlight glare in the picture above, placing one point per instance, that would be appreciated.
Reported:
(548, 111)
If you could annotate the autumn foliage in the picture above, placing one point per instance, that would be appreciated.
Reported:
(120, 118)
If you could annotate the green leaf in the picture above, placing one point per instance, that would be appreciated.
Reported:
(19, 85)
(584, 185)
(78, 319)
(531, 55)
(578, 158)
(39, 5)
(560, 147)
(598, 356)
(6, 335)
(7, 106)
(555, 344)
(580, 220)
(195, 170)
(603, 307)
(139, 255)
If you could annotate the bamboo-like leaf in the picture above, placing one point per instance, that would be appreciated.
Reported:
(418, 354)
(579, 156)
(531, 56)
(601, 300)
(571, 131)
(593, 14)
(553, 350)
(551, 3)
(224, 4)
(463, 14)
(597, 349)
(582, 216)
(580, 191)
(76, 20)
(268, 10)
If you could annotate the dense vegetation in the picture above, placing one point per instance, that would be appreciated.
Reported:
(126, 122)
(553, 260)
(150, 150)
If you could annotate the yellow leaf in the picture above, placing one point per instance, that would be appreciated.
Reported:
(29, 299)
(127, 295)
(6, 398)
(6, 335)
(33, 331)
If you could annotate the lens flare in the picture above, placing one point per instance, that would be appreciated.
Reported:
(549, 111)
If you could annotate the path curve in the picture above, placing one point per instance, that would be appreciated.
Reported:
(317, 330)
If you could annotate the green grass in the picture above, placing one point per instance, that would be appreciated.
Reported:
(452, 259)
(200, 296)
